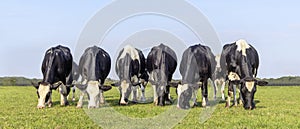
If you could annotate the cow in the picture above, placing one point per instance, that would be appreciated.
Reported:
(161, 64)
(94, 67)
(131, 70)
(196, 67)
(242, 63)
(56, 69)
(219, 77)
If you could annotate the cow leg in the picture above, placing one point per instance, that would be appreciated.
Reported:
(194, 98)
(102, 99)
(222, 89)
(73, 95)
(204, 93)
(234, 96)
(63, 95)
(80, 101)
(143, 98)
(230, 93)
(155, 97)
(168, 99)
(215, 84)
(134, 95)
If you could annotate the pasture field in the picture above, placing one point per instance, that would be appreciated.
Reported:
(277, 107)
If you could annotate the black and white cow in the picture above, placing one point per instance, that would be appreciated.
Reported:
(242, 63)
(56, 69)
(130, 68)
(219, 77)
(161, 64)
(196, 67)
(94, 67)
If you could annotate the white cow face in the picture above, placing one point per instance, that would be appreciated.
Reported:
(93, 92)
(125, 90)
(44, 93)
(184, 96)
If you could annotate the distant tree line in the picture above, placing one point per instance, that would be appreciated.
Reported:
(284, 81)
(22, 81)
(17, 81)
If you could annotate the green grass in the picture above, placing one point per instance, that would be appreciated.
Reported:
(277, 107)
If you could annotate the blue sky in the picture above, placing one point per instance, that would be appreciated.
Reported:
(29, 28)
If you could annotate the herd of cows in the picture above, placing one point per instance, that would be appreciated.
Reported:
(237, 64)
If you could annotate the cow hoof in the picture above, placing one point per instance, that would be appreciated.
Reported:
(40, 107)
(227, 105)
(79, 106)
(134, 102)
(50, 104)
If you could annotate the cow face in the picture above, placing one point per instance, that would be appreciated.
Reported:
(125, 90)
(248, 89)
(93, 92)
(44, 93)
(184, 96)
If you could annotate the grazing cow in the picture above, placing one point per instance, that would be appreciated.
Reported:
(161, 64)
(56, 69)
(94, 67)
(242, 63)
(219, 77)
(196, 67)
(130, 68)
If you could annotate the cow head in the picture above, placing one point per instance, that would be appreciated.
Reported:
(248, 89)
(184, 93)
(93, 90)
(125, 88)
(44, 92)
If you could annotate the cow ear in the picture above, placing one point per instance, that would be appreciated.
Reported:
(116, 84)
(55, 86)
(173, 84)
(262, 83)
(36, 85)
(105, 87)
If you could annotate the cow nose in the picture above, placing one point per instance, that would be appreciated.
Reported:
(248, 107)
(41, 106)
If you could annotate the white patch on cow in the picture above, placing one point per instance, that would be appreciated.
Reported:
(43, 91)
(135, 79)
(181, 89)
(124, 87)
(93, 92)
(249, 85)
(233, 76)
(242, 45)
(128, 49)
